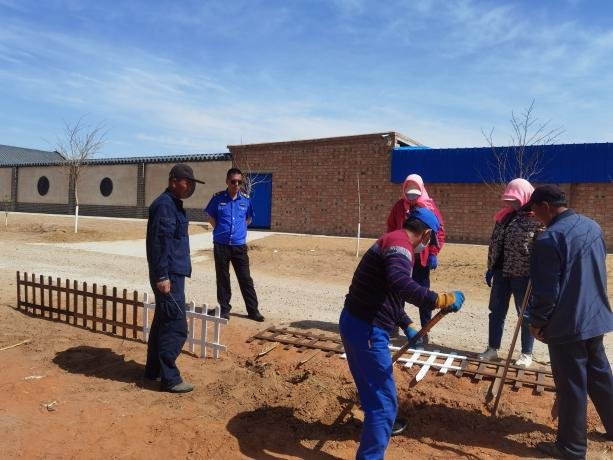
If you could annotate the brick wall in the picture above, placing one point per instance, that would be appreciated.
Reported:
(315, 190)
(314, 183)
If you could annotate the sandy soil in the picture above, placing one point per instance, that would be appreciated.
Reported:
(243, 407)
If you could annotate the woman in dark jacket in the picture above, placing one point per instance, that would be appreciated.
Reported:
(508, 266)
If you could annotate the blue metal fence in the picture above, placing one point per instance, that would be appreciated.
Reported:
(564, 163)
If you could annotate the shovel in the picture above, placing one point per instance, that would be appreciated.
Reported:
(424, 330)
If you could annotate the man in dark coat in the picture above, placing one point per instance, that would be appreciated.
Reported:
(169, 263)
(570, 312)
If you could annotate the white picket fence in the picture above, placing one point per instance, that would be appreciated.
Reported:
(429, 361)
(198, 321)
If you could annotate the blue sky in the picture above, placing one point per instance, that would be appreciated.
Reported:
(195, 76)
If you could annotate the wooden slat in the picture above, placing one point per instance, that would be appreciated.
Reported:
(50, 295)
(34, 294)
(520, 375)
(480, 370)
(18, 291)
(84, 300)
(125, 311)
(135, 316)
(104, 312)
(75, 303)
(67, 301)
(94, 305)
(540, 379)
(463, 365)
(42, 294)
(114, 310)
(58, 283)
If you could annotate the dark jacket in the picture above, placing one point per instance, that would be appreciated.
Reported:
(168, 238)
(382, 283)
(511, 243)
(569, 281)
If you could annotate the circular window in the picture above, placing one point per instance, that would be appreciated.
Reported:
(43, 186)
(106, 186)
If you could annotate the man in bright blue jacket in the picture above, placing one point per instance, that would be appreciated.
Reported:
(169, 263)
(570, 311)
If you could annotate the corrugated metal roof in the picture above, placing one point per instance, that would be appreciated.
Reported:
(16, 156)
(162, 159)
(12, 156)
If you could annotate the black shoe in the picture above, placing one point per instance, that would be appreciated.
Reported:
(153, 379)
(604, 436)
(256, 316)
(399, 426)
(551, 449)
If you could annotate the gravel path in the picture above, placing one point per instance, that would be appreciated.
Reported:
(284, 300)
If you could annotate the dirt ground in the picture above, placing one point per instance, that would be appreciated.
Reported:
(71, 393)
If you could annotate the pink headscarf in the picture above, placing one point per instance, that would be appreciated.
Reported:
(424, 200)
(517, 190)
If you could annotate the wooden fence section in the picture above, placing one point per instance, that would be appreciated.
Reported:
(104, 309)
(539, 379)
(96, 307)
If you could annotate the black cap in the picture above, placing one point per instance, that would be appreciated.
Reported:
(183, 171)
(548, 193)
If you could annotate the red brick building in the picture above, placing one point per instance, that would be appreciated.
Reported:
(314, 188)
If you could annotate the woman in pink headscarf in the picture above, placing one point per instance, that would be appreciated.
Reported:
(508, 266)
(414, 194)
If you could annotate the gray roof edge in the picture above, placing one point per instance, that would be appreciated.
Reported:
(131, 160)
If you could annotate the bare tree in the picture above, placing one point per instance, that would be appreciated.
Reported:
(79, 143)
(523, 158)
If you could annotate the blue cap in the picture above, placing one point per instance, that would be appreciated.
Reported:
(427, 217)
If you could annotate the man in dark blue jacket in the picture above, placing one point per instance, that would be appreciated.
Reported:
(169, 264)
(570, 312)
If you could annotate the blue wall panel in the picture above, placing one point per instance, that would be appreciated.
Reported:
(565, 163)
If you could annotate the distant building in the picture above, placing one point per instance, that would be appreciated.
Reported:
(311, 186)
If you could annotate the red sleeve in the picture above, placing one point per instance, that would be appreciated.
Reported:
(396, 217)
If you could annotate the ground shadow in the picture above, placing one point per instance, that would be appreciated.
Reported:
(272, 433)
(313, 324)
(102, 363)
(468, 426)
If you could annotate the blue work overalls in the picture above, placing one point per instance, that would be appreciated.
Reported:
(168, 256)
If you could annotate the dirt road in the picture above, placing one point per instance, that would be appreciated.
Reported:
(243, 408)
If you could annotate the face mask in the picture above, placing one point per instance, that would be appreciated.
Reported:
(412, 196)
(421, 246)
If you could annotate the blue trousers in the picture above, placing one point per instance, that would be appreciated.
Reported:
(581, 369)
(500, 296)
(421, 275)
(370, 363)
(168, 333)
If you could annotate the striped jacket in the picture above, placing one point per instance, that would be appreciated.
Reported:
(382, 283)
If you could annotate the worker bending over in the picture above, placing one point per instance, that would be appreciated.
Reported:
(374, 306)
